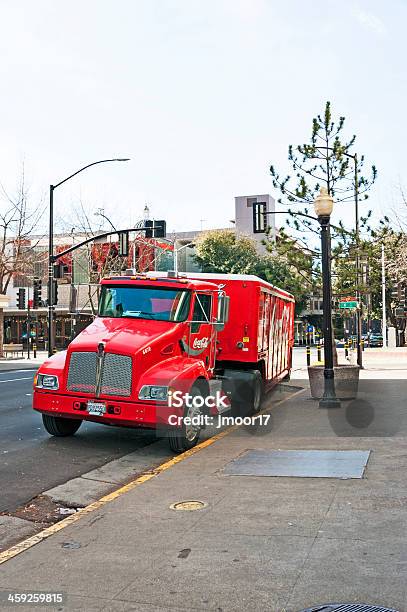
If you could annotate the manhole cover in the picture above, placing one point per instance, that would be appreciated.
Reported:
(348, 607)
(189, 505)
(71, 545)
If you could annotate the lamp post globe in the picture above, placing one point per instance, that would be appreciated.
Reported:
(323, 204)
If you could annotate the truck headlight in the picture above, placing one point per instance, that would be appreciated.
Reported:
(151, 392)
(46, 381)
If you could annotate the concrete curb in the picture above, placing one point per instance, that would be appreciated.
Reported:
(82, 491)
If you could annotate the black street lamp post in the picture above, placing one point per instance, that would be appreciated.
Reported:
(357, 258)
(323, 207)
(51, 258)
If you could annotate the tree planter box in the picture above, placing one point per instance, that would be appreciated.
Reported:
(346, 381)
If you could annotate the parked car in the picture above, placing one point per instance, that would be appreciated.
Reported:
(375, 340)
(338, 343)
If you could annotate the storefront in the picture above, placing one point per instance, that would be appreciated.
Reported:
(67, 326)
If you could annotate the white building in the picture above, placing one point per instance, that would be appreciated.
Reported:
(253, 215)
(253, 218)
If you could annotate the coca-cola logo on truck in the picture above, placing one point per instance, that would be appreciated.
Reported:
(200, 343)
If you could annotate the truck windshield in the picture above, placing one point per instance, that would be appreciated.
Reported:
(157, 304)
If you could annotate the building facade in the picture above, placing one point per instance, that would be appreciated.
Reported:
(79, 272)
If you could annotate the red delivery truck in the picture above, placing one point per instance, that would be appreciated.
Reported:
(211, 341)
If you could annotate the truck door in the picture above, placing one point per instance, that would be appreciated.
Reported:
(202, 336)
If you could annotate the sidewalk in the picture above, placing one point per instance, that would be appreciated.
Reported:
(22, 363)
(262, 543)
(377, 362)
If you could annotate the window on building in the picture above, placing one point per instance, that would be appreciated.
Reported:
(259, 217)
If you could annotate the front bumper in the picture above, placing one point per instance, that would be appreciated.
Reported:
(125, 413)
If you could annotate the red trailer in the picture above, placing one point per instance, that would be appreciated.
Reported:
(220, 339)
(260, 329)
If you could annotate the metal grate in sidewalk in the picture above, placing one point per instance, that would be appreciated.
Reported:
(347, 607)
(300, 464)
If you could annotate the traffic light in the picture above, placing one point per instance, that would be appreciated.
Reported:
(21, 299)
(155, 229)
(55, 293)
(73, 298)
(37, 292)
(58, 270)
(160, 229)
(123, 244)
(148, 226)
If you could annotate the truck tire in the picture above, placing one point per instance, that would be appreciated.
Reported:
(247, 389)
(183, 438)
(257, 394)
(58, 426)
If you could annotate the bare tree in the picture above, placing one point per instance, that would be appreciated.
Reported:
(18, 220)
(99, 259)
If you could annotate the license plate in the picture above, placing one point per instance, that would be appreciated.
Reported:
(96, 408)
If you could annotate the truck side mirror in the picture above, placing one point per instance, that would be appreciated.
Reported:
(223, 312)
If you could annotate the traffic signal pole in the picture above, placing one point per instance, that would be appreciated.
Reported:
(28, 324)
(51, 272)
(51, 257)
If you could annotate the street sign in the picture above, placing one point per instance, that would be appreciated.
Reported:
(310, 329)
(348, 304)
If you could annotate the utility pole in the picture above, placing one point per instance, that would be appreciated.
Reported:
(384, 322)
(358, 296)
(51, 272)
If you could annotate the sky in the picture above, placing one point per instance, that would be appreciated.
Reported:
(202, 95)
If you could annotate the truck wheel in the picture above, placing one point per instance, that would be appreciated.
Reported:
(183, 438)
(255, 405)
(287, 377)
(249, 394)
(58, 426)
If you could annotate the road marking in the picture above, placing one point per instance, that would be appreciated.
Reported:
(16, 379)
(49, 531)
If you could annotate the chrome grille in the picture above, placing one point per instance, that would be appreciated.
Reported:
(115, 376)
(82, 372)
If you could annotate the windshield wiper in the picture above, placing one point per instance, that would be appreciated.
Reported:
(137, 314)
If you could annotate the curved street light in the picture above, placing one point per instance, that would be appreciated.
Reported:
(100, 214)
(51, 245)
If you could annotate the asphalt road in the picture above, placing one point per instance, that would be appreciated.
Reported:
(32, 461)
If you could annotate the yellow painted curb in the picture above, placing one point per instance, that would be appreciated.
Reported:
(69, 520)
